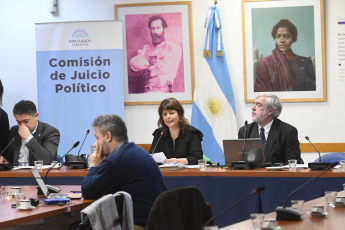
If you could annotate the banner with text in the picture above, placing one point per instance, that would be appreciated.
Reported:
(79, 77)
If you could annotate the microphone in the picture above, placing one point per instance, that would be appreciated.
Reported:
(244, 139)
(317, 165)
(7, 166)
(157, 143)
(75, 145)
(243, 164)
(256, 191)
(87, 133)
(284, 213)
(307, 138)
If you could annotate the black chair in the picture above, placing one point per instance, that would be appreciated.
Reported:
(183, 208)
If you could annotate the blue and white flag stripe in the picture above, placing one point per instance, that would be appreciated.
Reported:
(214, 105)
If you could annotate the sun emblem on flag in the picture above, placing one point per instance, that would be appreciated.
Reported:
(214, 107)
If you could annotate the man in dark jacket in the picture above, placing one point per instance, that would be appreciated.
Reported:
(280, 140)
(117, 165)
(33, 140)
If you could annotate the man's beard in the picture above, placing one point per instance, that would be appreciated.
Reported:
(106, 150)
(157, 39)
(262, 117)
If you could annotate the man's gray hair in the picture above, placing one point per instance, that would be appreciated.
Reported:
(111, 123)
(272, 101)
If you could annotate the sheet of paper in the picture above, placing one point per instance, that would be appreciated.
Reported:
(192, 166)
(30, 167)
(159, 157)
(299, 166)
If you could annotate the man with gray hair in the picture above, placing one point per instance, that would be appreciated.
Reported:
(279, 139)
(117, 165)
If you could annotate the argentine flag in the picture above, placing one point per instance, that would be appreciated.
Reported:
(213, 109)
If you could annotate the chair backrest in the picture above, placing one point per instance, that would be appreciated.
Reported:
(86, 225)
(183, 208)
(332, 157)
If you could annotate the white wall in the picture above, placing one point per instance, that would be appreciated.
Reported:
(320, 120)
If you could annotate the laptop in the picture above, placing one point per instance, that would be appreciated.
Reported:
(45, 190)
(253, 151)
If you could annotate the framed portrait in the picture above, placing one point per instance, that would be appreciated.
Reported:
(284, 49)
(158, 57)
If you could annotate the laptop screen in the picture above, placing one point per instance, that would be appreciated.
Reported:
(40, 182)
(253, 151)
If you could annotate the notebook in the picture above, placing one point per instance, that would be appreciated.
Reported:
(45, 189)
(253, 151)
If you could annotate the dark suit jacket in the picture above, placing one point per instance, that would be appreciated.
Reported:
(43, 145)
(282, 142)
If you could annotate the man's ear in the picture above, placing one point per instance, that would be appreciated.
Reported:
(270, 111)
(109, 136)
(36, 116)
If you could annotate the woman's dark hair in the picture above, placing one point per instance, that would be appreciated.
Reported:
(171, 104)
(285, 23)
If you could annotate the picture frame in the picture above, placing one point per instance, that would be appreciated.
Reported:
(157, 65)
(299, 76)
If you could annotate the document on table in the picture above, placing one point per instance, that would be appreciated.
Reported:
(298, 166)
(159, 157)
(30, 167)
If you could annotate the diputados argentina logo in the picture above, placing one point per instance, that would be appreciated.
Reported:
(80, 38)
(80, 74)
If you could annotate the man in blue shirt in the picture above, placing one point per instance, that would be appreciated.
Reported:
(117, 165)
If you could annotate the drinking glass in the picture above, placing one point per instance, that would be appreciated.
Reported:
(19, 197)
(257, 220)
(39, 165)
(8, 193)
(89, 153)
(342, 165)
(202, 164)
(292, 165)
(297, 204)
(330, 198)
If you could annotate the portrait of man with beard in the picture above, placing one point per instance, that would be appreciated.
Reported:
(155, 66)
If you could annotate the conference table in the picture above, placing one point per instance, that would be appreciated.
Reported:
(11, 216)
(222, 187)
(335, 219)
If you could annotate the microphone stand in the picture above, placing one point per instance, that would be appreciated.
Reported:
(153, 150)
(53, 189)
(87, 133)
(257, 190)
(243, 164)
(317, 166)
(7, 166)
